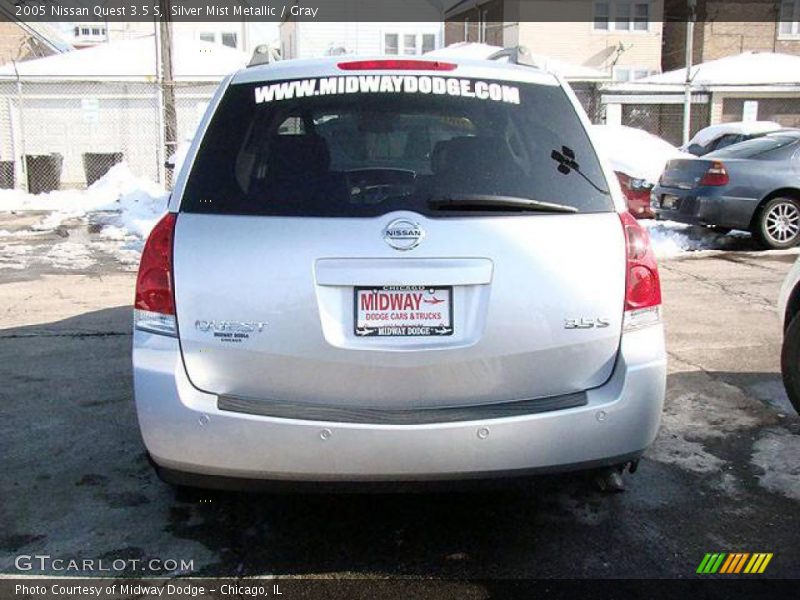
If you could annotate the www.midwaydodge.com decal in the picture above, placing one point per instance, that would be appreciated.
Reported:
(371, 84)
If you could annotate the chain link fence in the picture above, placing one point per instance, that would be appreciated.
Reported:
(67, 133)
(665, 120)
(588, 94)
(783, 110)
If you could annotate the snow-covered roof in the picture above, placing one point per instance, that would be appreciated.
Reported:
(712, 132)
(633, 151)
(133, 59)
(48, 35)
(742, 70)
(568, 71)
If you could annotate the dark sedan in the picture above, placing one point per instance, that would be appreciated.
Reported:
(753, 186)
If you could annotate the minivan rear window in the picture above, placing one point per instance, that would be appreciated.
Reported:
(358, 146)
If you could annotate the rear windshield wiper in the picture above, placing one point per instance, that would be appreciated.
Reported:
(498, 203)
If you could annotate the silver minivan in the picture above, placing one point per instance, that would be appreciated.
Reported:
(395, 270)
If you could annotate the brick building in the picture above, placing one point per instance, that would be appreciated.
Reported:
(622, 38)
(729, 27)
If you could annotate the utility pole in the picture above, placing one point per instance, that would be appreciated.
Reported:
(170, 117)
(687, 86)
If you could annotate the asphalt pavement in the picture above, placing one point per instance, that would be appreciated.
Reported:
(723, 475)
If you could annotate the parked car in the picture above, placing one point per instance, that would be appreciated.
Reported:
(753, 185)
(638, 159)
(717, 137)
(395, 269)
(789, 314)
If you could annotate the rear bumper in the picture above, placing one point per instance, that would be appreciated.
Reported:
(706, 206)
(188, 437)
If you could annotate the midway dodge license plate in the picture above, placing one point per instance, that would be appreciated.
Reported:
(403, 311)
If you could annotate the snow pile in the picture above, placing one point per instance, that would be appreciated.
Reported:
(671, 239)
(633, 151)
(132, 204)
(114, 217)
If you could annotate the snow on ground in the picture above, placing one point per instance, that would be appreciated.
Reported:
(670, 239)
(120, 209)
(135, 203)
(115, 215)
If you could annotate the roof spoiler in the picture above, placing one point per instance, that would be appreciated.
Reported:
(517, 55)
(263, 55)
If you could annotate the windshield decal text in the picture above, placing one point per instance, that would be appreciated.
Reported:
(397, 84)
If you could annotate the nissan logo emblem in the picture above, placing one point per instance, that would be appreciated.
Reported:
(402, 234)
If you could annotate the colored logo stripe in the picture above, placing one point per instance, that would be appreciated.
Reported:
(711, 562)
(758, 563)
(734, 563)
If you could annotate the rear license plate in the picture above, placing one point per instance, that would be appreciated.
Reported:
(403, 311)
(669, 201)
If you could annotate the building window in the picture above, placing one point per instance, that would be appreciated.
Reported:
(601, 16)
(226, 38)
(230, 39)
(789, 26)
(624, 16)
(410, 43)
(641, 16)
(390, 43)
(85, 31)
(631, 73)
(428, 42)
(482, 27)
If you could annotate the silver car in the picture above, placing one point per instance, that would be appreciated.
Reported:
(387, 270)
(752, 185)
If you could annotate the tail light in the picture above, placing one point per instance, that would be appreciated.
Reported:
(640, 185)
(715, 175)
(633, 184)
(642, 284)
(154, 309)
(396, 65)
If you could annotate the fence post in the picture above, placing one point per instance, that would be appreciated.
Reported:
(160, 158)
(687, 89)
(167, 86)
(20, 166)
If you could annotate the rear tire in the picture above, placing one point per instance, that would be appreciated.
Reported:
(777, 224)
(790, 362)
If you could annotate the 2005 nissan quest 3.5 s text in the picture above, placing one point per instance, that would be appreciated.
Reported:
(395, 270)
